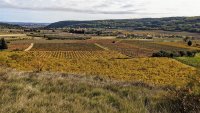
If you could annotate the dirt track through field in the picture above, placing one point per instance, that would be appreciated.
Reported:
(12, 35)
(30, 47)
(105, 48)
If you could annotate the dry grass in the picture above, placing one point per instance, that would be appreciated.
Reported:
(24, 92)
(20, 47)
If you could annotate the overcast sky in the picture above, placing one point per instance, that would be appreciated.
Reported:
(57, 10)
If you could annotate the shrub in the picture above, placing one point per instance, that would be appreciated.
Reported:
(113, 42)
(182, 53)
(3, 44)
(162, 54)
(190, 54)
(175, 54)
(190, 43)
(189, 96)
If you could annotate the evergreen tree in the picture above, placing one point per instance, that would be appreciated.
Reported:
(3, 44)
(190, 43)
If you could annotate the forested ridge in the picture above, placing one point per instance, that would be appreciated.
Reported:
(189, 24)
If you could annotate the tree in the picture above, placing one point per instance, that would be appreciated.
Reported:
(3, 44)
(190, 43)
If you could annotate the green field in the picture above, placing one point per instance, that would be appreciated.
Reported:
(192, 61)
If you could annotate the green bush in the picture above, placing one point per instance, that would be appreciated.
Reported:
(190, 54)
(3, 44)
(175, 53)
(162, 54)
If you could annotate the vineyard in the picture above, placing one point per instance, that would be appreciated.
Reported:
(65, 47)
(128, 50)
(155, 71)
(97, 48)
(106, 58)
(155, 46)
(77, 54)
(180, 44)
(72, 50)
(139, 48)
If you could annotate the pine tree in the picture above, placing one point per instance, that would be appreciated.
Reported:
(3, 44)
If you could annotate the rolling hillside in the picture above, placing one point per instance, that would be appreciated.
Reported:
(9, 26)
(189, 24)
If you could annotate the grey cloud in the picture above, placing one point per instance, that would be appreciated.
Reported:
(89, 10)
(127, 6)
(102, 8)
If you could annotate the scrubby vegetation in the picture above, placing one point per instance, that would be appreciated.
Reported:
(60, 92)
(188, 97)
(54, 92)
(175, 54)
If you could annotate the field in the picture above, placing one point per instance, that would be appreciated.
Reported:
(76, 54)
(103, 75)
(192, 61)
(127, 49)
(157, 46)
(59, 35)
(143, 48)
(160, 32)
(154, 71)
(13, 37)
(64, 93)
(66, 47)
(126, 60)
(19, 47)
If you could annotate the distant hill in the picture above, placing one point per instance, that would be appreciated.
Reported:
(9, 26)
(29, 25)
(189, 24)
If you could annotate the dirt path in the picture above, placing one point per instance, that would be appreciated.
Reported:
(12, 35)
(104, 37)
(105, 48)
(30, 47)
